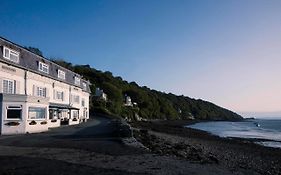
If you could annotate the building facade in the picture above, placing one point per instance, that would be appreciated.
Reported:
(36, 94)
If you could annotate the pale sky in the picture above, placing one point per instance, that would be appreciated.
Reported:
(224, 51)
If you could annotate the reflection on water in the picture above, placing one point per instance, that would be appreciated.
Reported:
(256, 129)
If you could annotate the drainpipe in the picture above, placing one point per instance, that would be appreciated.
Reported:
(69, 116)
(25, 82)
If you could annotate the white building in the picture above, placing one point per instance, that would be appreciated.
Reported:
(128, 101)
(37, 94)
(100, 94)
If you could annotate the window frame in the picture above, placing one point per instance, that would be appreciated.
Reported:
(14, 107)
(41, 92)
(61, 72)
(13, 86)
(75, 99)
(15, 53)
(75, 114)
(77, 81)
(35, 107)
(83, 102)
(42, 67)
(84, 86)
(61, 95)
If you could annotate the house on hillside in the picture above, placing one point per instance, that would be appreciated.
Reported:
(37, 94)
(99, 94)
(128, 101)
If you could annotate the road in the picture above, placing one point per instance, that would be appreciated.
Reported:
(95, 147)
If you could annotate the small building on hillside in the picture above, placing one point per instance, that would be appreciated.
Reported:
(99, 94)
(128, 101)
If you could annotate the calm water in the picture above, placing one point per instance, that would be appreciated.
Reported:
(259, 129)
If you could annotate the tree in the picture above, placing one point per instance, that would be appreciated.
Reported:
(35, 50)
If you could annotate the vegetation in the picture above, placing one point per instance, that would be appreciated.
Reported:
(34, 50)
(151, 104)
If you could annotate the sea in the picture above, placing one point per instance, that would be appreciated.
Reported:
(266, 132)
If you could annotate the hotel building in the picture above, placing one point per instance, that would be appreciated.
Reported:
(36, 94)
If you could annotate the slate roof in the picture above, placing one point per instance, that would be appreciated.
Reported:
(30, 61)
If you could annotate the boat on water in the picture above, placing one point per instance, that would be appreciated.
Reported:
(257, 124)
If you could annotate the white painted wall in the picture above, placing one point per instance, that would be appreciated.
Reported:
(38, 127)
(19, 129)
(12, 73)
(27, 86)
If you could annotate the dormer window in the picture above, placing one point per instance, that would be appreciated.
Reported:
(84, 86)
(61, 74)
(77, 81)
(43, 67)
(11, 55)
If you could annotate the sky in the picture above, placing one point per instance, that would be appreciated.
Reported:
(224, 51)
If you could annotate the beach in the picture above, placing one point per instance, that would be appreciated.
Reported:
(105, 146)
(238, 155)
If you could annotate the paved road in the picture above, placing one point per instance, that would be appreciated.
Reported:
(94, 147)
(100, 135)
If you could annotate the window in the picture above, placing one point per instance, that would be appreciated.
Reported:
(85, 114)
(77, 81)
(75, 98)
(61, 74)
(53, 114)
(43, 67)
(36, 113)
(75, 114)
(59, 95)
(41, 92)
(11, 55)
(8, 86)
(84, 86)
(83, 102)
(14, 112)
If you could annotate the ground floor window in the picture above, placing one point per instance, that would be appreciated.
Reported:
(75, 114)
(14, 112)
(36, 113)
(53, 114)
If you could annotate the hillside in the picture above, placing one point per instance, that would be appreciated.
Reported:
(151, 104)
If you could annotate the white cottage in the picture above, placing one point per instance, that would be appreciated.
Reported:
(37, 94)
(100, 94)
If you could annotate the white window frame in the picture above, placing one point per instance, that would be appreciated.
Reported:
(75, 114)
(41, 108)
(41, 92)
(84, 86)
(61, 74)
(43, 67)
(11, 107)
(11, 52)
(12, 86)
(77, 81)
(59, 95)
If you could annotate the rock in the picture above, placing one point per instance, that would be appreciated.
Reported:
(213, 158)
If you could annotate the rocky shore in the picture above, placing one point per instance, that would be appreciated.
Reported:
(240, 156)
